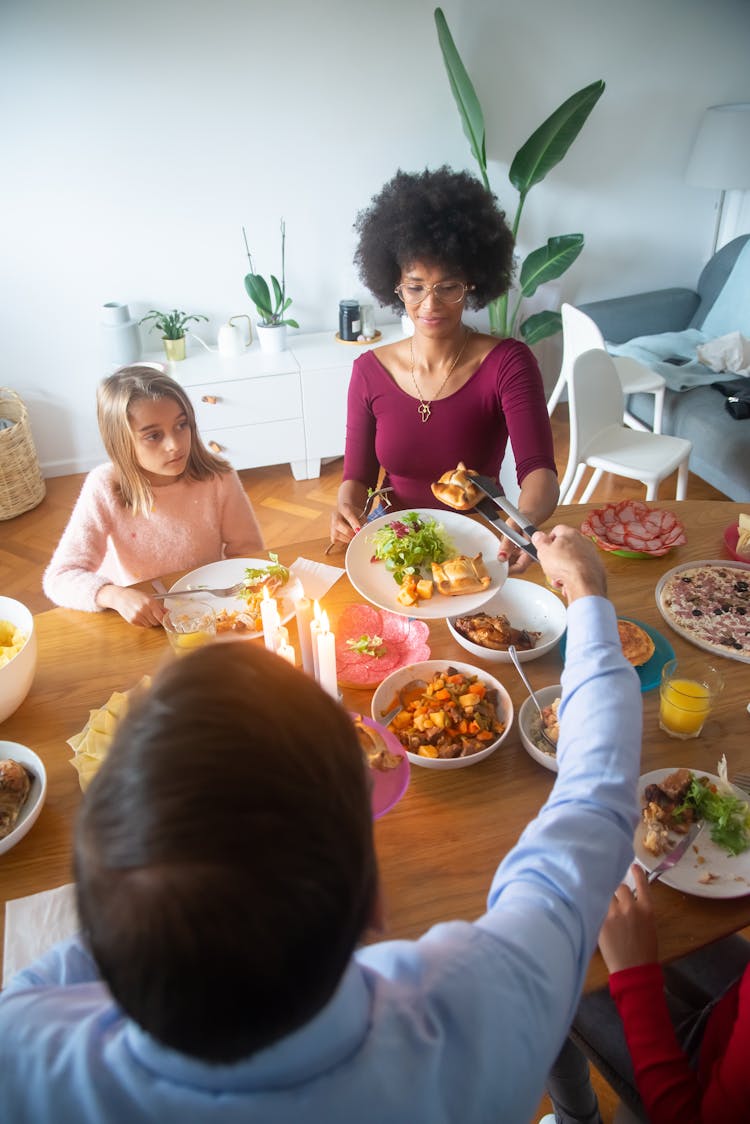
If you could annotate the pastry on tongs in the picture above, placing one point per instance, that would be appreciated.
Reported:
(455, 488)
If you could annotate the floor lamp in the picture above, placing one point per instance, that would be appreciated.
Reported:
(721, 153)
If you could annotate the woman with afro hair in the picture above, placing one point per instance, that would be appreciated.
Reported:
(433, 243)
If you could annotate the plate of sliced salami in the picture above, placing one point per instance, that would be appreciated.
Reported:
(632, 529)
(371, 643)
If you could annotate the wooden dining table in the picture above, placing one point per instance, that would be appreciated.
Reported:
(439, 846)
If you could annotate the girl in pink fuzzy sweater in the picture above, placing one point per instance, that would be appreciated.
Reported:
(164, 503)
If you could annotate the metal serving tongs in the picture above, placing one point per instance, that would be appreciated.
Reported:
(382, 494)
(487, 508)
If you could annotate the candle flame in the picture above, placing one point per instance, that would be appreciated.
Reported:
(324, 625)
(316, 610)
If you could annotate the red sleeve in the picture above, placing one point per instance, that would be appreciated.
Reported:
(727, 1092)
(360, 461)
(667, 1085)
(525, 408)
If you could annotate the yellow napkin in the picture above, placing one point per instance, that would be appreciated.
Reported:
(91, 745)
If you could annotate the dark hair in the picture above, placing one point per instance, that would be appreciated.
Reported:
(224, 856)
(444, 217)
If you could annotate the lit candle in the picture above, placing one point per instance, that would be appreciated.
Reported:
(284, 648)
(270, 619)
(327, 658)
(304, 613)
(314, 634)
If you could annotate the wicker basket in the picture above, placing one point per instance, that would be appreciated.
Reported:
(21, 482)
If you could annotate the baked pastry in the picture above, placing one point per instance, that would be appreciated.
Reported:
(455, 488)
(637, 645)
(460, 575)
(743, 538)
(15, 785)
(374, 750)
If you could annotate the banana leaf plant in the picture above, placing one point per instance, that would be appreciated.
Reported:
(542, 151)
(269, 306)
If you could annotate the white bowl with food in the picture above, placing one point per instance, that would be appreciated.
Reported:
(522, 613)
(21, 804)
(436, 742)
(530, 722)
(18, 654)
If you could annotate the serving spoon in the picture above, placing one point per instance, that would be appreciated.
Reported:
(409, 693)
(517, 665)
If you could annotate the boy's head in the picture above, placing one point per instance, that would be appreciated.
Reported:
(224, 857)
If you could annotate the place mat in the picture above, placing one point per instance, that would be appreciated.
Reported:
(33, 924)
(316, 577)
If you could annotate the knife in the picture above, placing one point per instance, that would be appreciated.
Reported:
(676, 853)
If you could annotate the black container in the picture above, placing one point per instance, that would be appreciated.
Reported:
(349, 320)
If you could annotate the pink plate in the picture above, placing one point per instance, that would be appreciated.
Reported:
(389, 786)
(404, 642)
(731, 537)
(632, 529)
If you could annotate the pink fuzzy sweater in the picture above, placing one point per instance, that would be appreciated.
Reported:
(192, 523)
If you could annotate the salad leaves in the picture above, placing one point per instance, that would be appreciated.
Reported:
(373, 646)
(260, 575)
(728, 816)
(406, 545)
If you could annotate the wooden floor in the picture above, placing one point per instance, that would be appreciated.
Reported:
(288, 510)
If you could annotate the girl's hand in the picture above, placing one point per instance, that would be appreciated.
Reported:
(345, 523)
(628, 935)
(133, 605)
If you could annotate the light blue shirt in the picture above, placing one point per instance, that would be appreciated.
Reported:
(459, 1026)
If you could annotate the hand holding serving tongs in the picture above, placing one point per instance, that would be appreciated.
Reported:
(488, 509)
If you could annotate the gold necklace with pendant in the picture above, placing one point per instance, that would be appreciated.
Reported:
(424, 405)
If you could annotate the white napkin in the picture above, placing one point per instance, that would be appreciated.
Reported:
(727, 353)
(316, 577)
(34, 924)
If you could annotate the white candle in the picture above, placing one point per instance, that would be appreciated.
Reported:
(284, 648)
(315, 630)
(327, 658)
(270, 619)
(304, 613)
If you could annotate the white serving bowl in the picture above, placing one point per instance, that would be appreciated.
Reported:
(382, 702)
(528, 715)
(17, 676)
(526, 605)
(33, 806)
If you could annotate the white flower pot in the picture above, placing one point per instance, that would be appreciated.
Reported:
(272, 338)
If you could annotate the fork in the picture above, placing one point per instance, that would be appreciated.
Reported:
(379, 493)
(742, 780)
(231, 591)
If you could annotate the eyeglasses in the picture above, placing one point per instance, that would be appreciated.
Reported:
(449, 292)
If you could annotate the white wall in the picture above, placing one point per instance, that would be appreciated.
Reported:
(139, 138)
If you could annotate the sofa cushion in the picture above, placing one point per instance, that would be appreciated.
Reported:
(730, 312)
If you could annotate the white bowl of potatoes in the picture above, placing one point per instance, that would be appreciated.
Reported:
(18, 654)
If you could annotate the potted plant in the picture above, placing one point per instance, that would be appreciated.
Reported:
(172, 326)
(542, 151)
(270, 303)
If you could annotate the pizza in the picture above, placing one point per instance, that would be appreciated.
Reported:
(710, 604)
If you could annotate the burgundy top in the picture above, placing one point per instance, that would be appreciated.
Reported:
(503, 398)
(671, 1091)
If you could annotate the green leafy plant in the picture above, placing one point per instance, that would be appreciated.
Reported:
(172, 325)
(270, 308)
(542, 151)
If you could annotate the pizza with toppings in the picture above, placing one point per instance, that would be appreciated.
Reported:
(709, 604)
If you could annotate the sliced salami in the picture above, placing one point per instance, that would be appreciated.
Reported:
(402, 641)
(632, 525)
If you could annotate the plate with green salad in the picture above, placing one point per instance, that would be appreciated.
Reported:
(407, 542)
(717, 864)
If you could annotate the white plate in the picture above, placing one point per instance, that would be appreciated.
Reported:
(733, 870)
(374, 582)
(528, 714)
(220, 575)
(382, 701)
(38, 791)
(727, 653)
(528, 606)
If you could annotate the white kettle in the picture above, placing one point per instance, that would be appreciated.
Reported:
(234, 340)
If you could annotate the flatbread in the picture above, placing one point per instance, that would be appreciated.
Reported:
(456, 490)
(710, 604)
(637, 645)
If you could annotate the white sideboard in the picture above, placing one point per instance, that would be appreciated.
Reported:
(259, 409)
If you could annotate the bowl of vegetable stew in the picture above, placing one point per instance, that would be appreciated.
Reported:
(459, 718)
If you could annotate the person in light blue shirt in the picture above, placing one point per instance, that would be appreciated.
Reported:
(226, 873)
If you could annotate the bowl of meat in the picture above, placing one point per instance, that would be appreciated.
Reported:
(23, 787)
(522, 613)
(530, 725)
(452, 714)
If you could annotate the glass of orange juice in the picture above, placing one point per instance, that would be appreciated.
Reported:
(189, 623)
(687, 696)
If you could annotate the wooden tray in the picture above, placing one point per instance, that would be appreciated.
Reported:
(361, 343)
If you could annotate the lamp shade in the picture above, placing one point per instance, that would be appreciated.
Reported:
(721, 153)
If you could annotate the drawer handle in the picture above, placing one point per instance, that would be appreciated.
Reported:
(215, 447)
(210, 399)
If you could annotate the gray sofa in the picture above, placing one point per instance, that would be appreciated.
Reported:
(721, 443)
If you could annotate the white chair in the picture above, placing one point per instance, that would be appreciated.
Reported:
(580, 334)
(599, 440)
